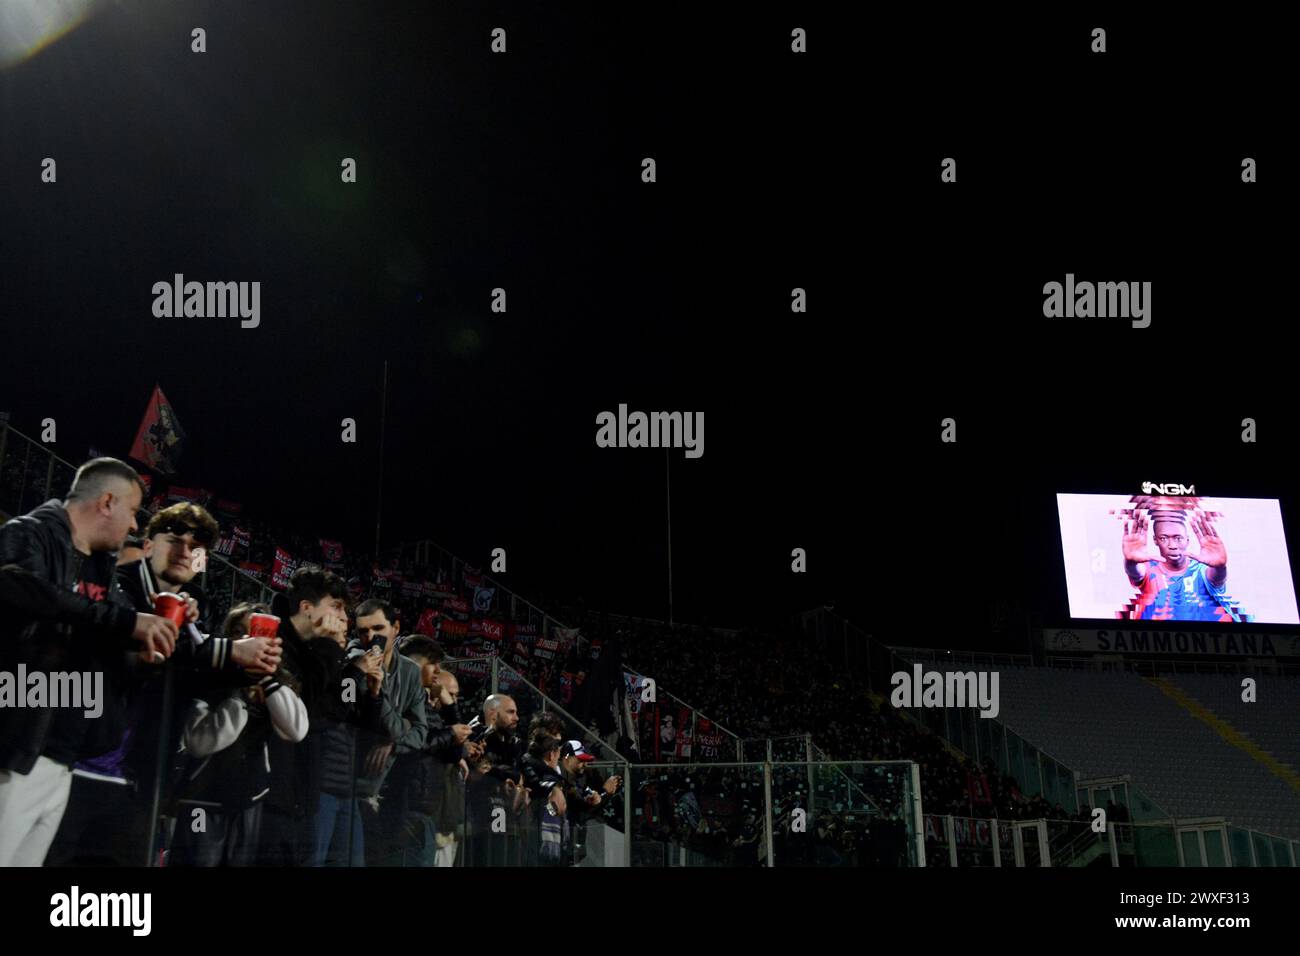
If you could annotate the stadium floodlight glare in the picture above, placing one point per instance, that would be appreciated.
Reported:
(29, 26)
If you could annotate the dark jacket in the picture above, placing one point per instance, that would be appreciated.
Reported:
(319, 672)
(504, 750)
(540, 779)
(346, 747)
(140, 584)
(419, 779)
(60, 610)
(200, 671)
(226, 739)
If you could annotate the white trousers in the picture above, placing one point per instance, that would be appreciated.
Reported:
(31, 807)
(446, 855)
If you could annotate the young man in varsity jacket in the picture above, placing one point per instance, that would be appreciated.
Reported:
(219, 808)
(107, 818)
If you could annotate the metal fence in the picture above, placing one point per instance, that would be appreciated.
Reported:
(957, 841)
(433, 559)
(30, 473)
(1035, 771)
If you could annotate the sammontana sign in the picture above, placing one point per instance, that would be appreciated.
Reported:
(1125, 641)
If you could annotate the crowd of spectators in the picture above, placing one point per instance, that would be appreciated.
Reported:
(770, 685)
(754, 684)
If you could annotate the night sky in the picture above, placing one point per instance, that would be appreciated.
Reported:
(775, 171)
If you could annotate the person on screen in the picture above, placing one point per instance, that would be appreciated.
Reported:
(1176, 586)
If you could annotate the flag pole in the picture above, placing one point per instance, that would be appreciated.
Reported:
(383, 424)
(668, 488)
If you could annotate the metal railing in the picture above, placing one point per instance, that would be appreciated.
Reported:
(1036, 771)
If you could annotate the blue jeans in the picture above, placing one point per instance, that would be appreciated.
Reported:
(334, 817)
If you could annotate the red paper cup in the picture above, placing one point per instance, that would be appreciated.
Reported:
(263, 625)
(170, 606)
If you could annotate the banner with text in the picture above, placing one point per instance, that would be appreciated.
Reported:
(1190, 643)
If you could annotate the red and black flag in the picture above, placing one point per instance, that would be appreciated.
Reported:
(159, 441)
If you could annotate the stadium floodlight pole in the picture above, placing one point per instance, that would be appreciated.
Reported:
(668, 497)
(812, 799)
(767, 819)
(918, 818)
(383, 424)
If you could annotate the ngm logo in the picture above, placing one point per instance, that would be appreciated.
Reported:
(1151, 488)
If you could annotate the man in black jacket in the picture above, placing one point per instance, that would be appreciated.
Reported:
(61, 611)
(418, 783)
(502, 743)
(544, 838)
(108, 813)
(314, 627)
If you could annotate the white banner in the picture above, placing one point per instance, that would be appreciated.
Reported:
(1124, 640)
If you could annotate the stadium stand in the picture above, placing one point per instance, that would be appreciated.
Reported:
(773, 695)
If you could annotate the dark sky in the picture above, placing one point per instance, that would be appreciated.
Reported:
(775, 171)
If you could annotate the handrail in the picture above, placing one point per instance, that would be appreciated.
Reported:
(7, 429)
(1007, 727)
(1074, 846)
(545, 615)
(550, 704)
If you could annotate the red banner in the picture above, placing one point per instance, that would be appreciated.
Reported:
(160, 438)
(488, 630)
(452, 629)
(257, 570)
(439, 590)
(281, 568)
(978, 787)
(684, 732)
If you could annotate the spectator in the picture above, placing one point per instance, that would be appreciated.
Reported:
(403, 723)
(420, 782)
(503, 747)
(107, 820)
(61, 610)
(313, 626)
(546, 790)
(225, 737)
